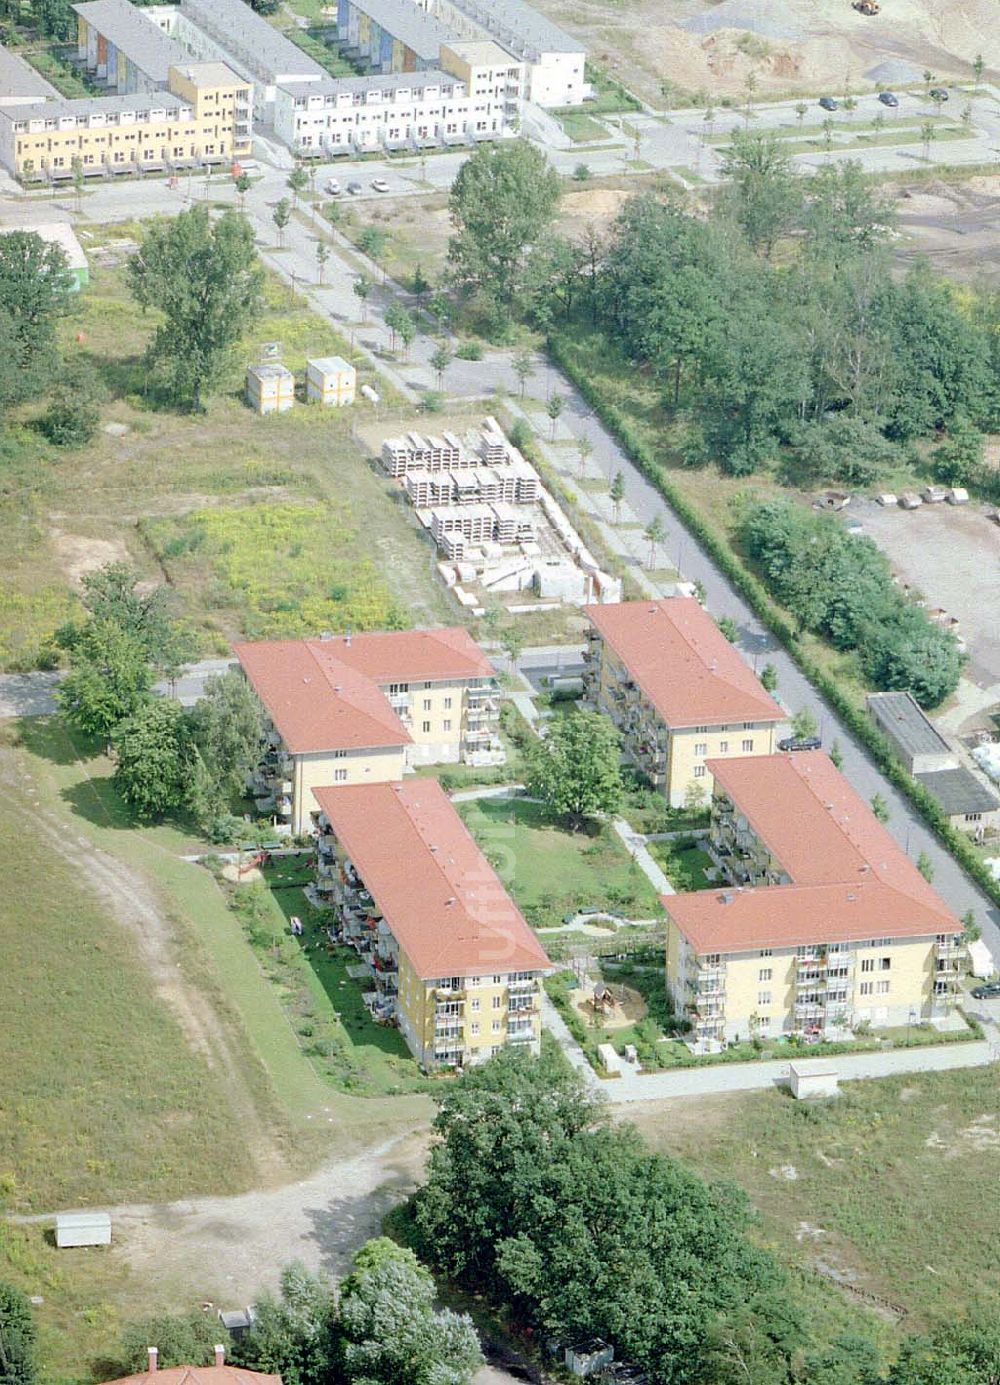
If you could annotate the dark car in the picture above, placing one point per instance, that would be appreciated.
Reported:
(354, 189)
(991, 991)
(829, 103)
(800, 743)
(938, 94)
(888, 99)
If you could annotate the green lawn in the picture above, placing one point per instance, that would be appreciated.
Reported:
(582, 128)
(891, 1186)
(683, 863)
(552, 872)
(324, 1004)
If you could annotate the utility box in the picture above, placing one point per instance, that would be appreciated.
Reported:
(270, 388)
(83, 1229)
(331, 380)
(812, 1078)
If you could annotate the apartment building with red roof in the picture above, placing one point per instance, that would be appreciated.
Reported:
(452, 961)
(820, 921)
(677, 690)
(362, 709)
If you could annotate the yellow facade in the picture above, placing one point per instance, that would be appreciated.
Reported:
(446, 721)
(380, 765)
(672, 758)
(460, 1021)
(132, 133)
(447, 1021)
(821, 987)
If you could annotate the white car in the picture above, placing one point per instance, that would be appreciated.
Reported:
(379, 185)
(250, 167)
(332, 187)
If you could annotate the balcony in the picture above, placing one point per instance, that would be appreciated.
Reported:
(399, 701)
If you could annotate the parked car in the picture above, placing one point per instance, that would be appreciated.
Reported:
(379, 185)
(888, 99)
(938, 94)
(354, 189)
(800, 743)
(829, 103)
(250, 167)
(991, 991)
(332, 186)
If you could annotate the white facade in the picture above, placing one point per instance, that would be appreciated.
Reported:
(372, 112)
(554, 62)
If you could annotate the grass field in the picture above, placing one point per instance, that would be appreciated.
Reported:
(262, 525)
(582, 128)
(888, 1189)
(683, 863)
(551, 872)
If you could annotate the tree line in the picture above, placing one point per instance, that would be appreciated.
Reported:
(166, 757)
(773, 325)
(840, 586)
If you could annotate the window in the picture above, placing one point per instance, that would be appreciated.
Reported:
(495, 1027)
(498, 980)
(748, 726)
(868, 964)
(713, 959)
(447, 724)
(747, 746)
(763, 997)
(475, 1004)
(340, 776)
(973, 817)
(426, 727)
(699, 771)
(866, 987)
(723, 747)
(884, 963)
(701, 730)
(764, 974)
(427, 704)
(447, 704)
(398, 688)
(701, 747)
(766, 952)
(881, 987)
(339, 754)
(427, 685)
(475, 1031)
(497, 1002)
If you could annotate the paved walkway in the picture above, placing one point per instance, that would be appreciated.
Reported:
(713, 1078)
(635, 845)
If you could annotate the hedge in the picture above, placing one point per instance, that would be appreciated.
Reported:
(757, 597)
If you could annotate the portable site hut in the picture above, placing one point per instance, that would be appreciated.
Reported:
(812, 1078)
(270, 388)
(83, 1229)
(331, 380)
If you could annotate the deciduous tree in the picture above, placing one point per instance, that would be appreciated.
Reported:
(575, 768)
(18, 1364)
(205, 278)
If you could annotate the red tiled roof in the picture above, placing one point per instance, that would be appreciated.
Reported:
(325, 694)
(849, 878)
(316, 701)
(440, 896)
(412, 655)
(683, 663)
(199, 1375)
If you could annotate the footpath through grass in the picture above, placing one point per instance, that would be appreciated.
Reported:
(889, 1189)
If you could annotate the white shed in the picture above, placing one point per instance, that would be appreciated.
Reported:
(83, 1229)
(811, 1078)
(330, 380)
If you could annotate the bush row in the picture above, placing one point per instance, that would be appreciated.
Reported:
(755, 594)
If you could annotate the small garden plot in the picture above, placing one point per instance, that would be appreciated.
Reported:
(684, 862)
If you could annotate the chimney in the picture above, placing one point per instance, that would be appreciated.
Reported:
(220, 1355)
(153, 1354)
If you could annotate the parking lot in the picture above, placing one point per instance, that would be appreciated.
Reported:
(951, 554)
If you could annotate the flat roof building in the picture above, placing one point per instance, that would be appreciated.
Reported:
(121, 46)
(914, 737)
(554, 61)
(677, 690)
(453, 961)
(848, 928)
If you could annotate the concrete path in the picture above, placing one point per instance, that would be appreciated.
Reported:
(635, 845)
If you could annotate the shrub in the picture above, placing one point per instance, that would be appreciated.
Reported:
(469, 351)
